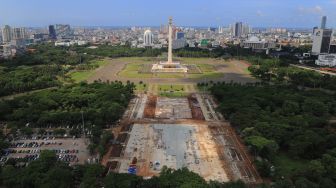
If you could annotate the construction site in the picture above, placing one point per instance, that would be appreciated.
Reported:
(179, 132)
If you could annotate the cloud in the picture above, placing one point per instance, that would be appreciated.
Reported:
(311, 10)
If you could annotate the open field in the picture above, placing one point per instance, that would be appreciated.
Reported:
(78, 76)
(124, 69)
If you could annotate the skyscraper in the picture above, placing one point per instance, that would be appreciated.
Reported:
(63, 30)
(323, 22)
(6, 34)
(148, 38)
(321, 41)
(19, 33)
(245, 29)
(52, 32)
(321, 38)
(220, 29)
(237, 29)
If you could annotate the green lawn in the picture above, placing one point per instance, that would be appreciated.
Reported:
(171, 90)
(132, 71)
(206, 68)
(173, 94)
(169, 87)
(79, 76)
(141, 87)
(207, 75)
(286, 166)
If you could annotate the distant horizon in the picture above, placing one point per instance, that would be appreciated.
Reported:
(196, 13)
(154, 26)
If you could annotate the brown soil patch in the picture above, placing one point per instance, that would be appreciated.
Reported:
(150, 107)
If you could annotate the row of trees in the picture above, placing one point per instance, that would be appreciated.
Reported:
(282, 119)
(279, 71)
(119, 51)
(48, 172)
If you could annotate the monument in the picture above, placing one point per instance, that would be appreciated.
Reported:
(169, 65)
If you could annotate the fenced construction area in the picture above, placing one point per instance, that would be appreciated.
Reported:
(179, 132)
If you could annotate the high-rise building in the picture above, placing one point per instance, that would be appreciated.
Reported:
(52, 32)
(19, 33)
(148, 38)
(220, 29)
(179, 35)
(237, 29)
(321, 41)
(322, 38)
(323, 22)
(6, 34)
(245, 29)
(63, 30)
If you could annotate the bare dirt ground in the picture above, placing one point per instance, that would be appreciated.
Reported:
(174, 146)
(233, 70)
(203, 142)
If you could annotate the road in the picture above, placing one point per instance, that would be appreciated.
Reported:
(313, 69)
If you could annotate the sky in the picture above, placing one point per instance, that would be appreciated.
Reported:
(257, 13)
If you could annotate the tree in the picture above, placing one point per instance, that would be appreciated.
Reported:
(92, 175)
(115, 180)
(9, 175)
(27, 131)
(264, 147)
(59, 132)
(304, 183)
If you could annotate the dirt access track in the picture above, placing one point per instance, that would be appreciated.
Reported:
(221, 70)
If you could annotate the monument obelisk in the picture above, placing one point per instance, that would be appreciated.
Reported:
(170, 38)
(169, 65)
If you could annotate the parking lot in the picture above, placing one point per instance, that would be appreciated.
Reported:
(70, 150)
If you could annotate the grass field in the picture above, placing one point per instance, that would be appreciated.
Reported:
(171, 90)
(141, 87)
(206, 68)
(171, 87)
(78, 76)
(131, 70)
(173, 94)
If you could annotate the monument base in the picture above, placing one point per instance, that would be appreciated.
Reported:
(169, 67)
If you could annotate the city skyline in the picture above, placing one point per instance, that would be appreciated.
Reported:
(258, 13)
